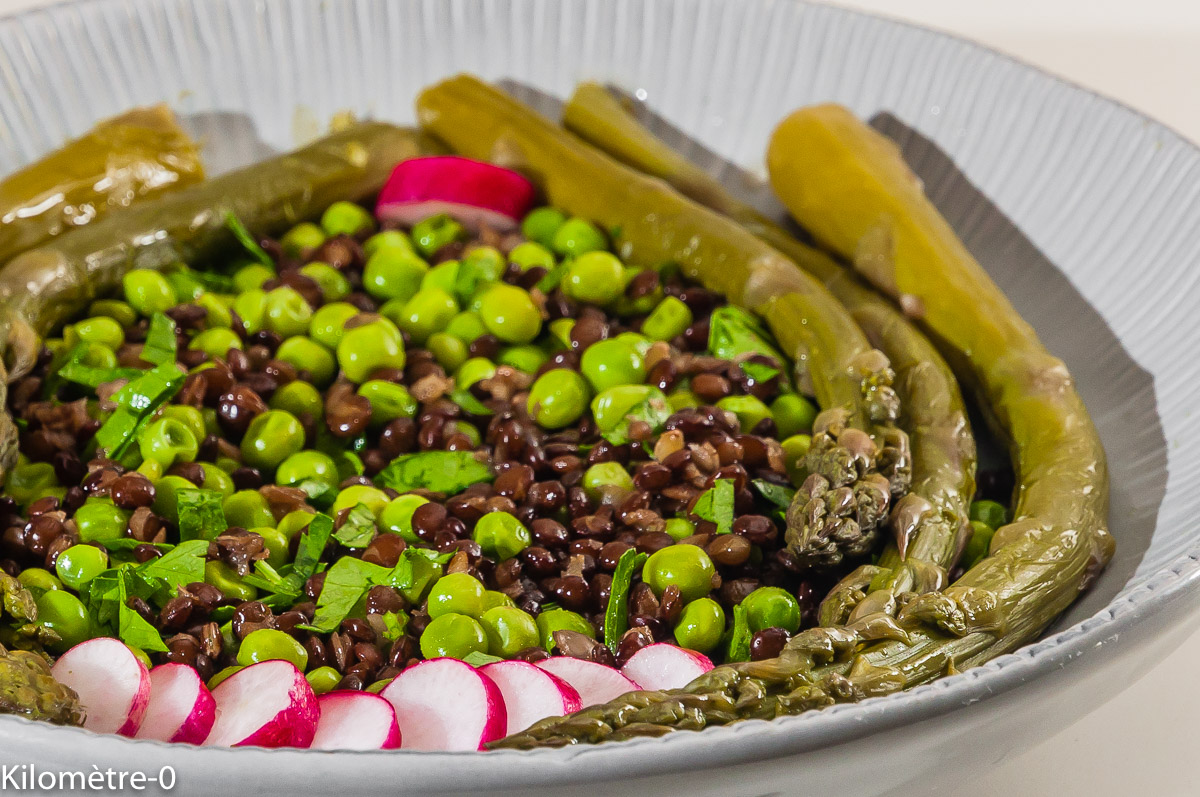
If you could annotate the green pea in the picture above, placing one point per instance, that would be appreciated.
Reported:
(610, 407)
(750, 410)
(795, 450)
(428, 311)
(98, 520)
(216, 342)
(99, 329)
(115, 309)
(558, 398)
(252, 276)
(346, 218)
(576, 237)
(474, 370)
(992, 513)
(168, 441)
(184, 282)
(528, 358)
(374, 499)
(308, 355)
(679, 528)
(302, 239)
(221, 675)
(305, 466)
(329, 322)
(605, 478)
(460, 593)
(287, 312)
(388, 239)
(64, 614)
(216, 312)
(493, 598)
(501, 535)
(148, 292)
(978, 546)
(466, 326)
(443, 276)
(700, 625)
(396, 517)
(323, 679)
(560, 331)
(595, 278)
(295, 522)
(27, 481)
(509, 631)
(561, 620)
(166, 497)
(771, 607)
(486, 261)
(686, 566)
(541, 224)
(97, 356)
(668, 320)
(79, 564)
(389, 401)
(272, 437)
(37, 580)
(532, 255)
(248, 509)
(190, 417)
(298, 397)
(509, 313)
(394, 274)
(370, 347)
(453, 635)
(251, 307)
(226, 579)
(449, 351)
(218, 481)
(333, 283)
(431, 234)
(608, 363)
(268, 644)
(793, 414)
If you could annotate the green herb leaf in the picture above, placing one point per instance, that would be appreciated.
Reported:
(247, 240)
(346, 582)
(616, 613)
(553, 278)
(320, 494)
(90, 376)
(734, 333)
(448, 472)
(394, 625)
(716, 505)
(200, 514)
(653, 411)
(160, 343)
(136, 402)
(777, 494)
(739, 638)
(358, 529)
(468, 402)
(477, 659)
(133, 627)
(182, 565)
(312, 545)
(760, 372)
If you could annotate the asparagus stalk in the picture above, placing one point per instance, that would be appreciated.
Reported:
(929, 523)
(847, 184)
(857, 452)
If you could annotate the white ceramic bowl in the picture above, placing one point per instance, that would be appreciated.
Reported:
(1085, 212)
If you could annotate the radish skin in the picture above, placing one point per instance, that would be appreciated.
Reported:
(181, 708)
(476, 193)
(594, 682)
(530, 693)
(269, 704)
(355, 721)
(113, 685)
(664, 666)
(446, 704)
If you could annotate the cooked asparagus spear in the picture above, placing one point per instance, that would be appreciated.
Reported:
(652, 224)
(930, 521)
(848, 184)
(142, 153)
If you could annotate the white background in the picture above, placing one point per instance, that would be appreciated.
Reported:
(1145, 53)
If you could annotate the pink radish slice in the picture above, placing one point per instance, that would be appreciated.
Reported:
(181, 707)
(530, 693)
(471, 191)
(664, 666)
(355, 721)
(268, 704)
(446, 704)
(595, 683)
(113, 685)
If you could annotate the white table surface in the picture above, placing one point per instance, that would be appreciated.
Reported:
(1147, 54)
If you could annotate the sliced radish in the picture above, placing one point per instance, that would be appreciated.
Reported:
(268, 704)
(355, 721)
(113, 685)
(530, 693)
(664, 666)
(471, 191)
(181, 707)
(446, 704)
(595, 683)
